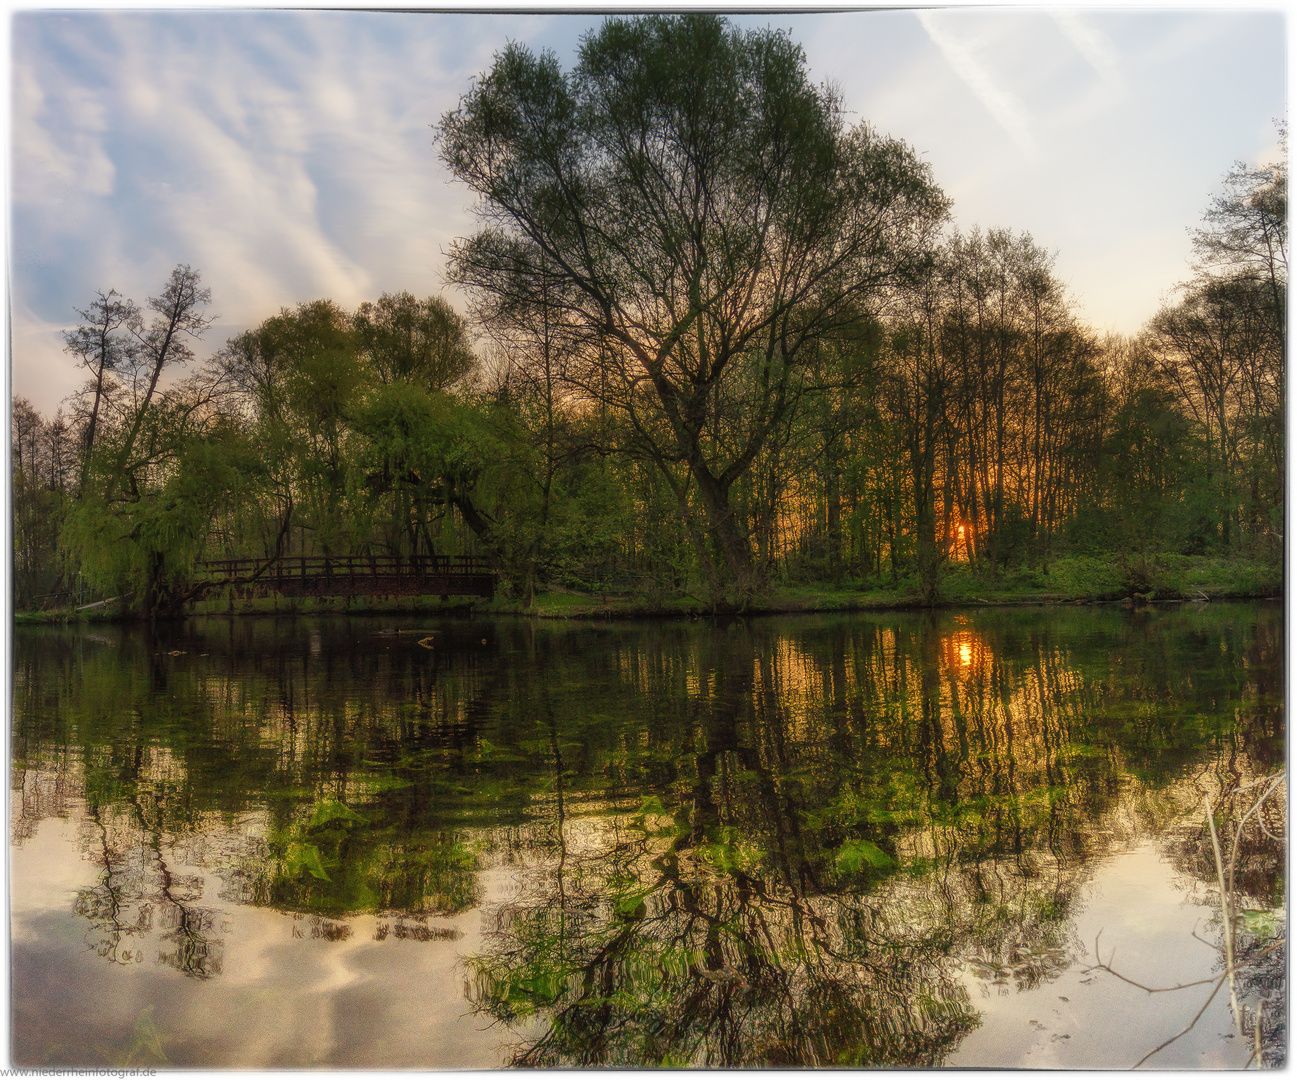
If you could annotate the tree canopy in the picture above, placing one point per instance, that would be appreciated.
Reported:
(731, 344)
(698, 214)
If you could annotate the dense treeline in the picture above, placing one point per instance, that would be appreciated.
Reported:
(716, 339)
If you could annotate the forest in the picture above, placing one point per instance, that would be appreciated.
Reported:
(709, 340)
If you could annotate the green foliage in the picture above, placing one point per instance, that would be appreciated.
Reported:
(303, 856)
(146, 1045)
(147, 545)
(855, 854)
(706, 406)
(422, 443)
(734, 851)
(1263, 923)
(330, 811)
(423, 343)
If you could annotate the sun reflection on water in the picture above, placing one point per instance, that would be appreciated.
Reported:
(964, 652)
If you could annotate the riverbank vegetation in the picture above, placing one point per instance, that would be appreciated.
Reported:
(720, 346)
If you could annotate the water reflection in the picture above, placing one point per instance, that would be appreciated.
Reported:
(135, 887)
(780, 842)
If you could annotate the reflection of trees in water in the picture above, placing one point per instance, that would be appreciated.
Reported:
(1263, 982)
(856, 813)
(837, 814)
(118, 905)
(139, 900)
(227, 750)
(650, 948)
(766, 924)
(719, 972)
(137, 893)
(1254, 849)
(344, 870)
(1252, 819)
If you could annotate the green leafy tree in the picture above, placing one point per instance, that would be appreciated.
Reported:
(434, 453)
(1207, 345)
(1223, 346)
(422, 342)
(300, 377)
(141, 510)
(1143, 498)
(146, 547)
(698, 214)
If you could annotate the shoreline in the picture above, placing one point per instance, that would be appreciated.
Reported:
(571, 605)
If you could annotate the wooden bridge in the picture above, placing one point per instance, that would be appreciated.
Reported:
(352, 575)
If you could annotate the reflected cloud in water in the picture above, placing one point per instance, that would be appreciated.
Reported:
(781, 842)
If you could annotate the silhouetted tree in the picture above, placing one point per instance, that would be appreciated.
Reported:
(691, 204)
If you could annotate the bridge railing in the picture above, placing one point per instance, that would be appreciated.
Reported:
(355, 566)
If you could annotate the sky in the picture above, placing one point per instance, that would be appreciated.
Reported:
(288, 155)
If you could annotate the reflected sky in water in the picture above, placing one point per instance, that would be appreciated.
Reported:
(404, 842)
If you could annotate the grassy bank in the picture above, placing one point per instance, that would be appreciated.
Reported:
(1077, 579)
(1067, 581)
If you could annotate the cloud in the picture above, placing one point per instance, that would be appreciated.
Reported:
(286, 156)
(1091, 44)
(60, 127)
(42, 372)
(1112, 87)
(961, 54)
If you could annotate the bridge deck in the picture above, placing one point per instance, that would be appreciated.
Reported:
(354, 575)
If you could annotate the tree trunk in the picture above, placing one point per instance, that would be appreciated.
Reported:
(727, 537)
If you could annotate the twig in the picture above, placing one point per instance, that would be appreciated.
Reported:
(1276, 777)
(1101, 966)
(1275, 781)
(1227, 901)
(1188, 1027)
(1227, 893)
(1210, 944)
(1228, 918)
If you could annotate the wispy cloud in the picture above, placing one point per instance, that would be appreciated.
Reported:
(1094, 46)
(1102, 57)
(288, 155)
(1009, 112)
(61, 129)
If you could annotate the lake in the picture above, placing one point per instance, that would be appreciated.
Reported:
(411, 841)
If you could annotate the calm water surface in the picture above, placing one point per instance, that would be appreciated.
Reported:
(408, 841)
